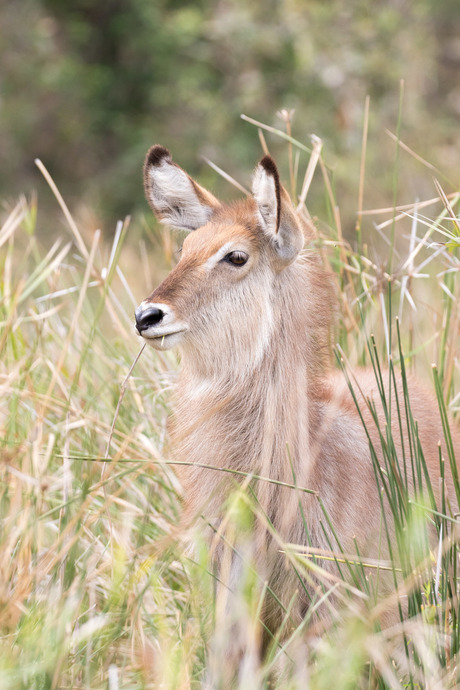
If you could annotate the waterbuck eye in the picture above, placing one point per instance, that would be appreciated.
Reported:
(237, 258)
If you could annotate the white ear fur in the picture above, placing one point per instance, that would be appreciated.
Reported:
(175, 198)
(276, 214)
(265, 194)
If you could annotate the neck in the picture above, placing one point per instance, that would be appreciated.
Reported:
(250, 413)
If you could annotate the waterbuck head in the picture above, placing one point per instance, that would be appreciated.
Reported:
(221, 293)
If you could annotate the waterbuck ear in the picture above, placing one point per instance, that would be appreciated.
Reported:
(276, 214)
(174, 197)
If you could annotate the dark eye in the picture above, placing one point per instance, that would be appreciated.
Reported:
(236, 258)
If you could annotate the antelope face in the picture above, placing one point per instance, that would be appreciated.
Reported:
(218, 295)
(217, 280)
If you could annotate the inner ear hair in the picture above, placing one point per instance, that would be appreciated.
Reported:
(175, 198)
(269, 165)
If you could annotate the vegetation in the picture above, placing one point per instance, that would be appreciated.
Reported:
(97, 588)
(88, 86)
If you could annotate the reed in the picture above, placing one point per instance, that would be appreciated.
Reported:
(96, 586)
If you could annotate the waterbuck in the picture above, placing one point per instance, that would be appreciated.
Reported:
(251, 311)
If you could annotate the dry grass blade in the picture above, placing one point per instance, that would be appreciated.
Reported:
(263, 142)
(226, 176)
(79, 240)
(407, 207)
(12, 222)
(120, 400)
(311, 167)
(46, 270)
(447, 205)
(96, 586)
(76, 316)
(410, 151)
(363, 165)
(278, 132)
(405, 214)
(287, 115)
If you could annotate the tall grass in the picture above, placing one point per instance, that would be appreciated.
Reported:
(97, 586)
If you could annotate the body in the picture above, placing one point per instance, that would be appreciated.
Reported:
(251, 311)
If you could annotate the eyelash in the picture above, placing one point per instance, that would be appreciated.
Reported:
(227, 259)
(240, 258)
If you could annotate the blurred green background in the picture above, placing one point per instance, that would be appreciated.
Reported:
(89, 85)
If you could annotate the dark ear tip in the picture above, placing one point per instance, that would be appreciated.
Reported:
(156, 154)
(269, 165)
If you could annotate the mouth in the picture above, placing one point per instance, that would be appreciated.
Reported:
(163, 340)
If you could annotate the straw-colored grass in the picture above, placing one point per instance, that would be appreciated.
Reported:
(97, 588)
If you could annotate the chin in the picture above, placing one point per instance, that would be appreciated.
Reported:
(164, 342)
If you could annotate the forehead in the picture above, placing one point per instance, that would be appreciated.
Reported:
(234, 226)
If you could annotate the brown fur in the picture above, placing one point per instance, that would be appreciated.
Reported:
(256, 393)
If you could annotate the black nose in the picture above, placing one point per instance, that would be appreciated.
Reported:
(147, 317)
